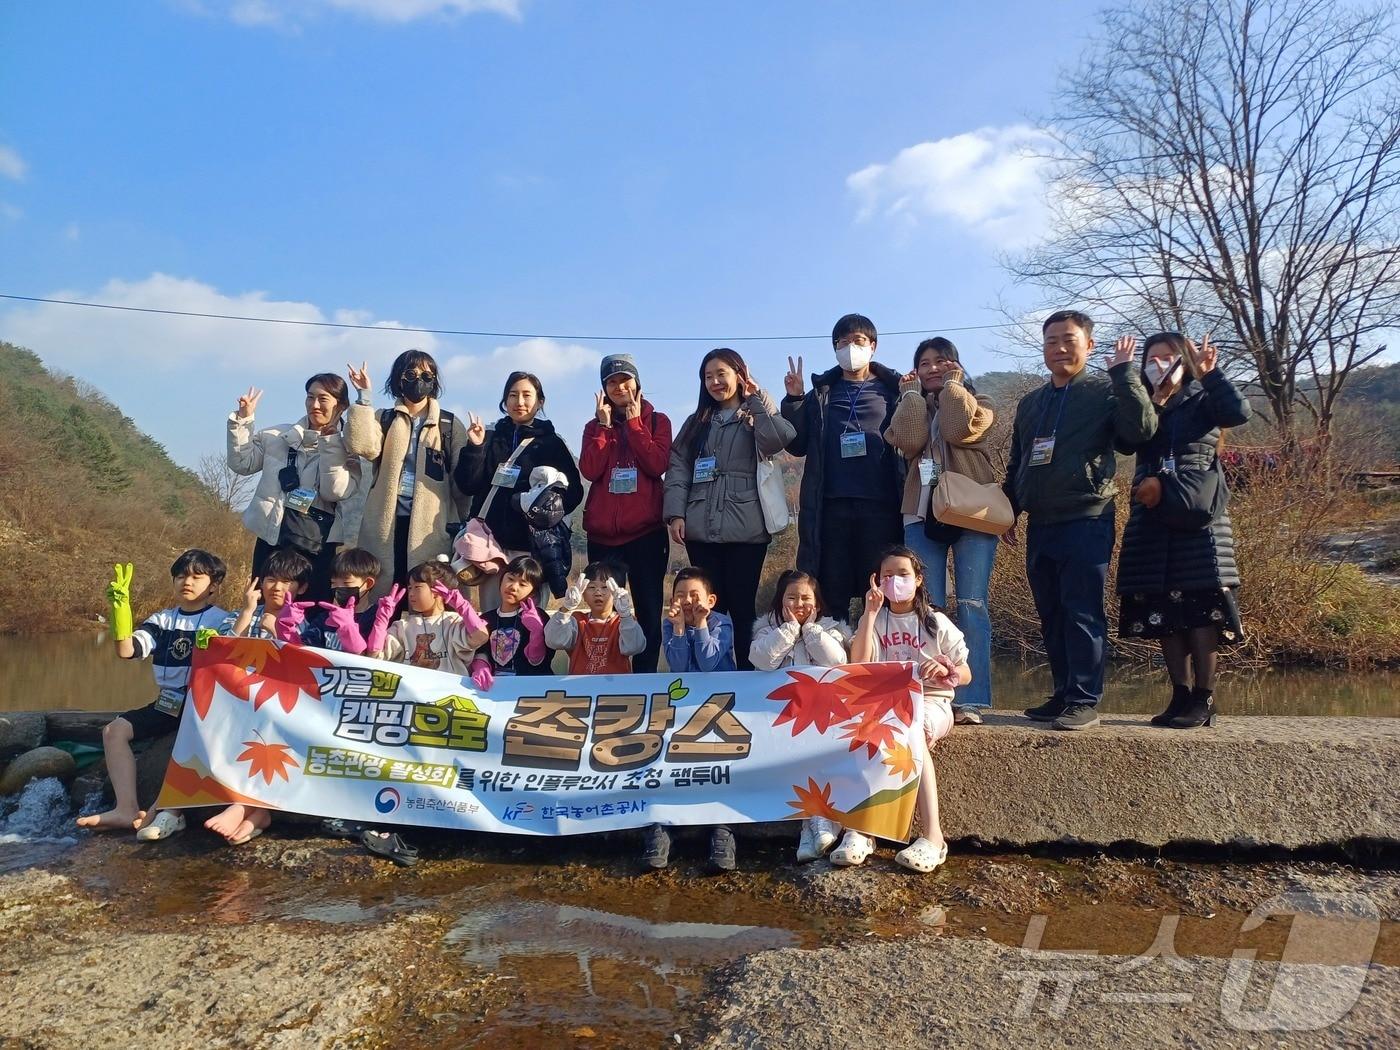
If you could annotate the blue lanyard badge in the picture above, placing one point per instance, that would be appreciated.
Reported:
(1169, 460)
(853, 442)
(1043, 448)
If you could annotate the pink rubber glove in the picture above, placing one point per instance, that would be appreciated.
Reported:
(341, 619)
(289, 620)
(457, 602)
(533, 623)
(383, 613)
(481, 674)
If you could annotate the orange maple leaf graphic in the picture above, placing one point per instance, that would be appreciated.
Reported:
(814, 801)
(255, 669)
(900, 759)
(869, 732)
(811, 702)
(882, 689)
(268, 759)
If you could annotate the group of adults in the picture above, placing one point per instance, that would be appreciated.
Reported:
(400, 481)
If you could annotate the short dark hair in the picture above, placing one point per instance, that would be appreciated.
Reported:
(199, 562)
(431, 572)
(693, 572)
(334, 385)
(287, 563)
(412, 359)
(526, 567)
(606, 569)
(854, 324)
(356, 561)
(785, 581)
(516, 377)
(1075, 317)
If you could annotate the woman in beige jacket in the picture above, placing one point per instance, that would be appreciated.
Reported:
(941, 424)
(414, 448)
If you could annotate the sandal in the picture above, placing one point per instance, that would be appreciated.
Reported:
(921, 855)
(242, 839)
(166, 823)
(853, 850)
(387, 844)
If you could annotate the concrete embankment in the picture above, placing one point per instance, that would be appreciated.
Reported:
(1249, 781)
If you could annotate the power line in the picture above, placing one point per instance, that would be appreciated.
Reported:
(490, 335)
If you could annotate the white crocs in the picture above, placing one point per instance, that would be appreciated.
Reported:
(166, 823)
(921, 855)
(853, 850)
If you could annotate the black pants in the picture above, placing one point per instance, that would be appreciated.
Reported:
(853, 534)
(645, 559)
(399, 570)
(319, 589)
(735, 569)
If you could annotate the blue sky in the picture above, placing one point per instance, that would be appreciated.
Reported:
(541, 166)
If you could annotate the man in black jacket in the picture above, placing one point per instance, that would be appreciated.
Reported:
(851, 484)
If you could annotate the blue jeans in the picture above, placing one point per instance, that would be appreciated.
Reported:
(972, 571)
(1066, 566)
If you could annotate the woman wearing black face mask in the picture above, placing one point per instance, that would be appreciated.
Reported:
(414, 447)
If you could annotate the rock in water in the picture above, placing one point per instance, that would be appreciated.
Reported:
(40, 762)
(20, 731)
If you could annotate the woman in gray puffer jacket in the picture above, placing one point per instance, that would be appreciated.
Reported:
(1176, 569)
(711, 497)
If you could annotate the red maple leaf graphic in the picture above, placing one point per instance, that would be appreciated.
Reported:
(268, 759)
(814, 801)
(877, 690)
(255, 669)
(811, 702)
(869, 731)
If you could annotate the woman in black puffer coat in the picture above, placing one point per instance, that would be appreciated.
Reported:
(1176, 567)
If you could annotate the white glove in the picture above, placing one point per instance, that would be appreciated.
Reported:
(622, 600)
(573, 597)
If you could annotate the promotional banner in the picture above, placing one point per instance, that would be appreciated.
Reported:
(329, 734)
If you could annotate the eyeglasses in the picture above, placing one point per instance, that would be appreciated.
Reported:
(412, 375)
(853, 340)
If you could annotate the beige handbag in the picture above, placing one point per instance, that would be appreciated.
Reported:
(958, 500)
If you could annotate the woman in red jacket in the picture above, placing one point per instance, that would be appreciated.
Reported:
(626, 449)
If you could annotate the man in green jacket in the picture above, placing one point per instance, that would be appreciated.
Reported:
(1060, 474)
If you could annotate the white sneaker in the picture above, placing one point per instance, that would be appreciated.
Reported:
(824, 834)
(853, 850)
(921, 855)
(805, 849)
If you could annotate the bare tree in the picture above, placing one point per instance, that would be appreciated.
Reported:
(231, 490)
(1234, 166)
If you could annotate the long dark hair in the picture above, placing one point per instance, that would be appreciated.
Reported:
(922, 604)
(945, 349)
(1177, 342)
(785, 581)
(705, 409)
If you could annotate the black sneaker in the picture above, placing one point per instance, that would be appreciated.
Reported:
(656, 846)
(1046, 712)
(722, 849)
(1077, 716)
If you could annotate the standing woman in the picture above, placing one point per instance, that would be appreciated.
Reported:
(711, 497)
(414, 448)
(626, 449)
(941, 424)
(486, 466)
(309, 493)
(1176, 569)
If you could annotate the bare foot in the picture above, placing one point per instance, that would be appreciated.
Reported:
(121, 819)
(226, 822)
(255, 821)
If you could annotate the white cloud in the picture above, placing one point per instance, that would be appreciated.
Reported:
(992, 181)
(408, 10)
(12, 165)
(289, 14)
(71, 232)
(547, 358)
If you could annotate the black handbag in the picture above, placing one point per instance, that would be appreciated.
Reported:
(308, 530)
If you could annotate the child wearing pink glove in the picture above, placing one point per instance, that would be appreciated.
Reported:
(440, 630)
(515, 630)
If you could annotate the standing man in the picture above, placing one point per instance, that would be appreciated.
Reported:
(1060, 474)
(852, 481)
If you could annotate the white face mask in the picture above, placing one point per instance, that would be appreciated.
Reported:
(853, 358)
(1157, 371)
(898, 588)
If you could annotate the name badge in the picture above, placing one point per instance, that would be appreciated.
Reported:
(301, 499)
(406, 482)
(1169, 465)
(1041, 450)
(506, 477)
(170, 701)
(928, 472)
(623, 480)
(853, 444)
(704, 469)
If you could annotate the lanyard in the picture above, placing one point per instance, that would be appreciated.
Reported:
(855, 401)
(1064, 396)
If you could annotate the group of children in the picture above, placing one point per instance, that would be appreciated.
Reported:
(438, 628)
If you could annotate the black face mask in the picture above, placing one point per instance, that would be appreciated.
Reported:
(416, 390)
(342, 595)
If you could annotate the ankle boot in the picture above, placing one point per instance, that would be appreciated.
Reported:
(1181, 698)
(1199, 712)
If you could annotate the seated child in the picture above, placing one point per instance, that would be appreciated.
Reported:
(900, 625)
(269, 601)
(348, 618)
(440, 631)
(795, 634)
(515, 635)
(696, 638)
(604, 639)
(168, 638)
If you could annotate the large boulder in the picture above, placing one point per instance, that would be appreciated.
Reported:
(20, 731)
(40, 762)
